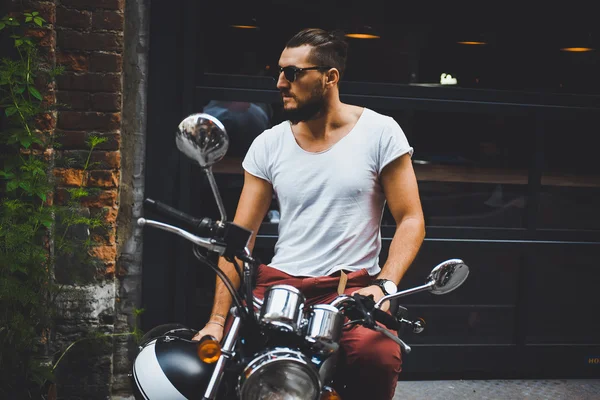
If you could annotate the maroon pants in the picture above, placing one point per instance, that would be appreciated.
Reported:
(369, 361)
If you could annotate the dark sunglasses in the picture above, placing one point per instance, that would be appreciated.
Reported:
(290, 72)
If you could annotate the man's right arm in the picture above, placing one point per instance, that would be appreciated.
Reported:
(253, 205)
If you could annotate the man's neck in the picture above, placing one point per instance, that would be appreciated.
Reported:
(332, 116)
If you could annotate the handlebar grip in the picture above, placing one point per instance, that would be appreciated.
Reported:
(203, 227)
(386, 319)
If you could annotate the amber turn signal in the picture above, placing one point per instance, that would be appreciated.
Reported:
(329, 394)
(209, 350)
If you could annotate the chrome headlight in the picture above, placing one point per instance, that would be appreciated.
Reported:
(279, 374)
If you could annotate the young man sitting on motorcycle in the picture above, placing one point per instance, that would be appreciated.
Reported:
(332, 166)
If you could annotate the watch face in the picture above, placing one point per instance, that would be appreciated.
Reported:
(389, 287)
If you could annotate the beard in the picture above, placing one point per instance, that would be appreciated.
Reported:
(308, 110)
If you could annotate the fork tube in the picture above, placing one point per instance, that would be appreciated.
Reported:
(226, 351)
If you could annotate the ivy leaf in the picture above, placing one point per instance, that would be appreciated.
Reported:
(35, 13)
(34, 92)
(20, 89)
(18, 42)
(37, 140)
(7, 175)
(12, 186)
(25, 186)
(28, 19)
(77, 193)
(43, 197)
(25, 141)
(38, 21)
(2, 25)
(10, 111)
(94, 141)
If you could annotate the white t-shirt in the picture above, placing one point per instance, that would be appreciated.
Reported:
(331, 202)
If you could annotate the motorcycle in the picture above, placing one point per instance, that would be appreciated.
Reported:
(276, 347)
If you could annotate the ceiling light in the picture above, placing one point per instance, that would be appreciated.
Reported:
(576, 49)
(472, 42)
(364, 32)
(244, 26)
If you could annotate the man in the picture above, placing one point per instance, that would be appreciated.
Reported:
(332, 167)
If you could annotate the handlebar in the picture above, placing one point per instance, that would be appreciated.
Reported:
(199, 226)
(230, 240)
(363, 309)
(226, 238)
(202, 242)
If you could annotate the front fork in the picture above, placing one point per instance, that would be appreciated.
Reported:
(226, 354)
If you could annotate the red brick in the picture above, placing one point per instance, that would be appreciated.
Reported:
(106, 101)
(90, 41)
(108, 214)
(108, 20)
(99, 159)
(47, 56)
(109, 273)
(107, 237)
(92, 82)
(105, 253)
(73, 61)
(45, 122)
(69, 176)
(75, 120)
(45, 36)
(93, 4)
(73, 100)
(106, 198)
(103, 179)
(113, 142)
(71, 18)
(105, 160)
(49, 98)
(77, 140)
(106, 62)
(70, 139)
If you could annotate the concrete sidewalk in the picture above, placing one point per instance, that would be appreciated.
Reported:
(571, 389)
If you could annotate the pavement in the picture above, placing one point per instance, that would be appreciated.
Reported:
(546, 389)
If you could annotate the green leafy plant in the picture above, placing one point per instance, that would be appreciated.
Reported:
(36, 234)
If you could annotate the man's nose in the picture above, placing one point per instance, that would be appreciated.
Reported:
(282, 83)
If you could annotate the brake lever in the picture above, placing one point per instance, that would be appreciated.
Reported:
(395, 338)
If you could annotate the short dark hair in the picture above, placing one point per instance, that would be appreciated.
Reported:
(329, 48)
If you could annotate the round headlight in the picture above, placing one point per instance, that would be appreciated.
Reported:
(281, 374)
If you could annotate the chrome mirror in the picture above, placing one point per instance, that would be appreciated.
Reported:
(447, 276)
(444, 278)
(203, 138)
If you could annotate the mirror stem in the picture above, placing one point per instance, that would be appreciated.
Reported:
(428, 286)
(215, 190)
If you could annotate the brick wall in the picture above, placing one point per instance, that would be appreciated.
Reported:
(89, 44)
(87, 38)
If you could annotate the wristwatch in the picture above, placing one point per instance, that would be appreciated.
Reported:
(388, 287)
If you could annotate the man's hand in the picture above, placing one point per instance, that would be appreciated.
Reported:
(377, 294)
(213, 329)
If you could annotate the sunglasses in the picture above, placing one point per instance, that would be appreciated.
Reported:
(290, 72)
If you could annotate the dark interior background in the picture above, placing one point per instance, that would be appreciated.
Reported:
(506, 162)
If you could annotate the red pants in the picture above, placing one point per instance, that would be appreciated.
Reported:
(369, 361)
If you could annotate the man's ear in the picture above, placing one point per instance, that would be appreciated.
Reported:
(332, 76)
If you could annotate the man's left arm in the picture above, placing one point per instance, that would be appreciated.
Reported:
(402, 195)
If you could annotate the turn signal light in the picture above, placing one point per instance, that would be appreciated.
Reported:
(209, 350)
(329, 394)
